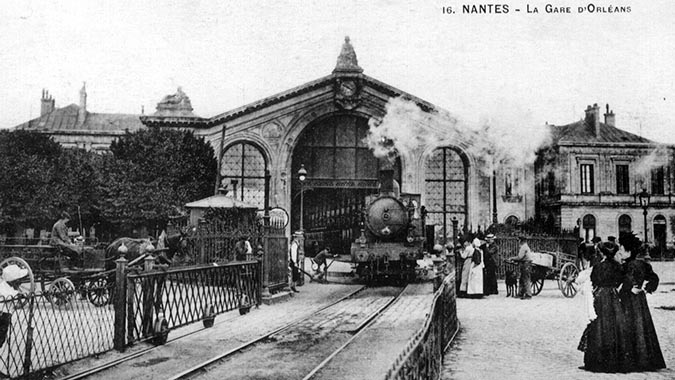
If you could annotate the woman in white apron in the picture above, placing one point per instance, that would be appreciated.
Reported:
(475, 284)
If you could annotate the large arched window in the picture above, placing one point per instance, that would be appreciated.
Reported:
(625, 224)
(512, 220)
(341, 172)
(588, 225)
(445, 190)
(243, 171)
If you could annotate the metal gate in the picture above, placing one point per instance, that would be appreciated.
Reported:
(276, 259)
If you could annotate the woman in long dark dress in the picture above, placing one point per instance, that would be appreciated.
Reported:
(606, 342)
(644, 351)
(490, 253)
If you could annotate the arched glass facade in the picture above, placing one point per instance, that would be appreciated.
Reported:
(445, 190)
(243, 169)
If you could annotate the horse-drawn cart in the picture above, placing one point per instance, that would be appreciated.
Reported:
(553, 265)
(49, 273)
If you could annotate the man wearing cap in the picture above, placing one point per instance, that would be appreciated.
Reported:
(61, 240)
(490, 253)
(524, 258)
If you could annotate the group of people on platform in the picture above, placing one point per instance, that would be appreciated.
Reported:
(620, 335)
(479, 269)
(614, 279)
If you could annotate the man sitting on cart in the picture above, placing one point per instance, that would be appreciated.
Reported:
(61, 241)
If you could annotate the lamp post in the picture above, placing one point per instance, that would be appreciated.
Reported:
(302, 175)
(644, 202)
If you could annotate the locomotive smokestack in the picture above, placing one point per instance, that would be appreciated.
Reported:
(386, 177)
(386, 181)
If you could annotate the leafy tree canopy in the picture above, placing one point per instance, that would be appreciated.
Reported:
(154, 174)
(27, 164)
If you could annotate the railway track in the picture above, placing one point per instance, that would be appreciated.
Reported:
(100, 369)
(302, 348)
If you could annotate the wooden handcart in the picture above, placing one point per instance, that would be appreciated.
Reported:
(559, 266)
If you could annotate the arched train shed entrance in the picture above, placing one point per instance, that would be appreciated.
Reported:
(341, 171)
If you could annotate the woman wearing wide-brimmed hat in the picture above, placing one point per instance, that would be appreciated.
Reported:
(11, 274)
(606, 344)
(644, 351)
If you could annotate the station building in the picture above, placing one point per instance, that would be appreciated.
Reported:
(74, 126)
(602, 180)
(321, 126)
(587, 178)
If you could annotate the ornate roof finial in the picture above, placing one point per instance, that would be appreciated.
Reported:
(347, 62)
(177, 104)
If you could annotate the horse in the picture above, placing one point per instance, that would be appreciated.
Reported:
(132, 248)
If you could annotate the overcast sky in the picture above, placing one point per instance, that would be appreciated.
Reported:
(532, 67)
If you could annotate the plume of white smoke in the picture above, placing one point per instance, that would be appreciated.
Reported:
(498, 140)
(659, 157)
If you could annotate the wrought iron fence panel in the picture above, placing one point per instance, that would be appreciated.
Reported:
(181, 296)
(53, 328)
(215, 241)
(423, 356)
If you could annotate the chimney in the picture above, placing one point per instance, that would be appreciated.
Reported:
(593, 119)
(82, 113)
(609, 117)
(46, 103)
(386, 177)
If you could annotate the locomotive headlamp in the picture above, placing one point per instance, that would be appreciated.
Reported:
(302, 175)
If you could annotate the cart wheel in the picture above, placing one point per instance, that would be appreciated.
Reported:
(566, 281)
(27, 284)
(209, 316)
(537, 285)
(61, 292)
(98, 292)
(161, 331)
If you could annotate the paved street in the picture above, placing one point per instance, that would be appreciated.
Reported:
(505, 338)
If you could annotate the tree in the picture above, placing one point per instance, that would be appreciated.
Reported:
(27, 164)
(77, 178)
(152, 175)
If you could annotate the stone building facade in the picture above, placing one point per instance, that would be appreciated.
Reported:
(74, 126)
(590, 177)
(321, 126)
(587, 178)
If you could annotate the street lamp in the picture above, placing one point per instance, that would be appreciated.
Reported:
(644, 202)
(302, 175)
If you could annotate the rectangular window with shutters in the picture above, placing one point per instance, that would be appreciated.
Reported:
(658, 178)
(622, 179)
(587, 179)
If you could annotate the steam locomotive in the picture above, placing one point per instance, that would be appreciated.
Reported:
(392, 234)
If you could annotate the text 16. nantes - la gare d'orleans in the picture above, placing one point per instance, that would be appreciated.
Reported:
(531, 9)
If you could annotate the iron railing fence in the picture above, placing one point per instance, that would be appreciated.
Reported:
(216, 242)
(423, 356)
(52, 328)
(185, 295)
